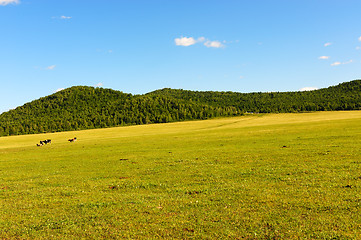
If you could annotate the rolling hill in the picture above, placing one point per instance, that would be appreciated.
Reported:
(83, 107)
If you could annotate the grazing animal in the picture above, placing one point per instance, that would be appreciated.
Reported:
(72, 139)
(45, 141)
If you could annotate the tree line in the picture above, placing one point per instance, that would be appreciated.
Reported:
(83, 107)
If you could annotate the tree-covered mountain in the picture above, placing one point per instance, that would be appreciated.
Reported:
(84, 107)
(345, 96)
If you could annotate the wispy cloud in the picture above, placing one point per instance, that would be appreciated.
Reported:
(213, 44)
(52, 67)
(241, 77)
(358, 48)
(324, 57)
(327, 44)
(6, 2)
(62, 17)
(359, 38)
(189, 41)
(99, 85)
(336, 63)
(65, 17)
(308, 89)
(341, 63)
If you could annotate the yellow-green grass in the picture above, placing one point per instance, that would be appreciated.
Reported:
(274, 176)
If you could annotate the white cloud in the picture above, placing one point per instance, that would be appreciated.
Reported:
(99, 85)
(6, 2)
(241, 77)
(341, 63)
(336, 63)
(188, 41)
(308, 89)
(59, 89)
(51, 67)
(184, 41)
(214, 44)
(359, 38)
(324, 57)
(65, 17)
(327, 44)
(358, 48)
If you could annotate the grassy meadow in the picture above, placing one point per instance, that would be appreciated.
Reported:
(273, 176)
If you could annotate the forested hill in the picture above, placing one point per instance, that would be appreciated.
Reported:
(84, 107)
(345, 96)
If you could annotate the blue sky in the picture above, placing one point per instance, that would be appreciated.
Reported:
(137, 46)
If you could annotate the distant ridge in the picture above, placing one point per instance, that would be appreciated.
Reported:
(83, 107)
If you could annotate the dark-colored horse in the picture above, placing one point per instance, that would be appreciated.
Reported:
(45, 141)
(72, 139)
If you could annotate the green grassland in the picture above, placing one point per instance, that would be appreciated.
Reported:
(272, 176)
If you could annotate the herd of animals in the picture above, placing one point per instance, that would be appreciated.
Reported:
(48, 141)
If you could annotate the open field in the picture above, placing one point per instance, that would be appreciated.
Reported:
(276, 176)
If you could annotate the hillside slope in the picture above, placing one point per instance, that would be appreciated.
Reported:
(345, 96)
(84, 107)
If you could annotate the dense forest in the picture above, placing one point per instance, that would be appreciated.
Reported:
(83, 107)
